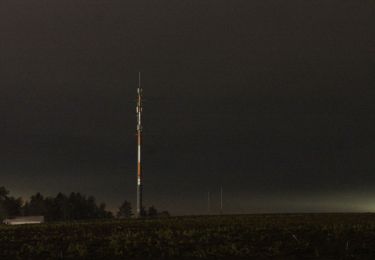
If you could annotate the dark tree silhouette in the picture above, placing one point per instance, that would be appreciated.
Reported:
(152, 212)
(64, 208)
(9, 206)
(3, 193)
(164, 214)
(143, 212)
(61, 207)
(125, 210)
(13, 206)
(3, 196)
(36, 205)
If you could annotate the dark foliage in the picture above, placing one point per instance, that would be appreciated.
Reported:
(60, 208)
(152, 212)
(9, 206)
(125, 210)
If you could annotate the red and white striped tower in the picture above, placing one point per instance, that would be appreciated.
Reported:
(139, 140)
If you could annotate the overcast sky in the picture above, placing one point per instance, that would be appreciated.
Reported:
(273, 100)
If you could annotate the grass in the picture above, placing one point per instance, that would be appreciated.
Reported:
(258, 236)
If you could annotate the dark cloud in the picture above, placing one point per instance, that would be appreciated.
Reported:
(270, 99)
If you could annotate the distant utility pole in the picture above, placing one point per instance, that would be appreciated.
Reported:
(221, 200)
(208, 203)
(139, 140)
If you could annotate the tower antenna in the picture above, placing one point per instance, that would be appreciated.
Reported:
(139, 141)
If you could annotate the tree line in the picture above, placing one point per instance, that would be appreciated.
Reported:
(74, 206)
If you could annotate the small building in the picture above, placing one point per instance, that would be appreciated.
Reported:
(24, 220)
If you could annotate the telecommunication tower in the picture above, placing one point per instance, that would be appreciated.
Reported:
(139, 141)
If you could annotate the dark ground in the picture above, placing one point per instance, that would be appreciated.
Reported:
(260, 236)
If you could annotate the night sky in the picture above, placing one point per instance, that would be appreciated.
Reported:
(273, 100)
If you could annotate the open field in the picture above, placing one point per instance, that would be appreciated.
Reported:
(263, 236)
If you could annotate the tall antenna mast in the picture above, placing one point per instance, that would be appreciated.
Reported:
(139, 141)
